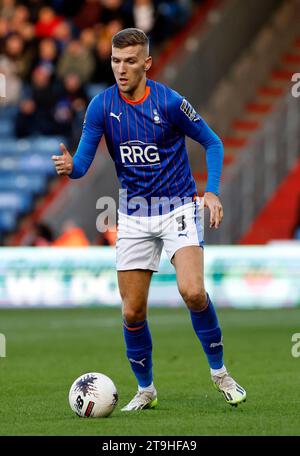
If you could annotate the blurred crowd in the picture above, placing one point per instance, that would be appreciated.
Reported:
(70, 235)
(51, 52)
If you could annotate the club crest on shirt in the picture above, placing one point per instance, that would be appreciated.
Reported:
(156, 118)
(189, 111)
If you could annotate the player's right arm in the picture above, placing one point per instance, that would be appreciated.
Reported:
(78, 165)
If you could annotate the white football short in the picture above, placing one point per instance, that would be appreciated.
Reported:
(141, 239)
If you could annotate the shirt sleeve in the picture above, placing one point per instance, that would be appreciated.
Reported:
(91, 135)
(185, 119)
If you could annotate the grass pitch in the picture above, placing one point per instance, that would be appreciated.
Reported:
(48, 348)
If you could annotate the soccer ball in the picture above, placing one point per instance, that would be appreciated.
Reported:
(93, 395)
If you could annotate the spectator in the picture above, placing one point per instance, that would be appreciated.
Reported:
(72, 236)
(7, 9)
(74, 93)
(76, 59)
(27, 33)
(42, 235)
(34, 6)
(25, 120)
(36, 114)
(20, 17)
(13, 81)
(113, 27)
(71, 107)
(143, 13)
(89, 14)
(67, 8)
(100, 240)
(47, 23)
(47, 55)
(62, 35)
(4, 30)
(88, 38)
(110, 235)
(102, 54)
(15, 52)
(117, 10)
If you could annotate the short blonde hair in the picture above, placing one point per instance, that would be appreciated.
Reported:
(130, 37)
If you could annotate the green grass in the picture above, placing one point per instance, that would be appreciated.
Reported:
(48, 349)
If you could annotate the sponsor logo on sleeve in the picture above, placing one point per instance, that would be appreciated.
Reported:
(189, 111)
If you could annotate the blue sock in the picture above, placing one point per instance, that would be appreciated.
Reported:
(139, 351)
(206, 326)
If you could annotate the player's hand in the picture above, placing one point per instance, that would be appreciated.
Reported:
(215, 208)
(63, 163)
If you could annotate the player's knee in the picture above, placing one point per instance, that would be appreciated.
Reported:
(194, 297)
(132, 316)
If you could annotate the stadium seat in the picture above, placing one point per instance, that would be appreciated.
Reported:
(38, 144)
(11, 146)
(25, 167)
(34, 183)
(35, 162)
(28, 163)
(6, 127)
(13, 200)
(8, 112)
(8, 220)
(46, 145)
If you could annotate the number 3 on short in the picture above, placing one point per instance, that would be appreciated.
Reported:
(181, 223)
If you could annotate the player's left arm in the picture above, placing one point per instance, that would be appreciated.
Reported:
(189, 122)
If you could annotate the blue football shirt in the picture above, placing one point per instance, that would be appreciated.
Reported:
(146, 140)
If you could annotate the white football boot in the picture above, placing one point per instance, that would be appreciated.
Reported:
(142, 400)
(234, 394)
